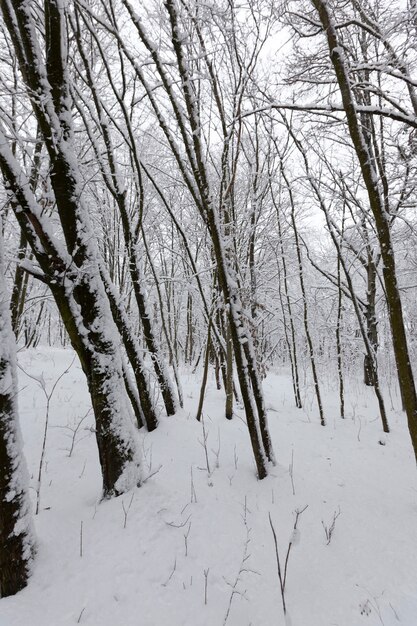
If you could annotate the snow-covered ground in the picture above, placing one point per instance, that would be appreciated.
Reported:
(193, 547)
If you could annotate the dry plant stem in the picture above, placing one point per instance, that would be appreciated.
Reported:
(291, 472)
(235, 457)
(243, 567)
(193, 497)
(173, 525)
(281, 584)
(171, 574)
(144, 480)
(81, 539)
(126, 510)
(75, 432)
(329, 530)
(204, 444)
(206, 573)
(186, 535)
(217, 452)
(282, 575)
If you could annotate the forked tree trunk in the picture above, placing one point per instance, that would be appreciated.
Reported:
(72, 273)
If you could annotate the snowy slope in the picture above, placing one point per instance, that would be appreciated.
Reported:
(146, 555)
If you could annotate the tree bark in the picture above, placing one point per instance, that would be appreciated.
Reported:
(16, 532)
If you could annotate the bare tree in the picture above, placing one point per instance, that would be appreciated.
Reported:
(181, 92)
(380, 211)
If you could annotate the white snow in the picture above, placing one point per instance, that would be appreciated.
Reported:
(183, 522)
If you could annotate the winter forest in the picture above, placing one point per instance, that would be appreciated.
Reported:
(208, 326)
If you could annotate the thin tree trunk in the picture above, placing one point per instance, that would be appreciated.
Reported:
(304, 298)
(332, 231)
(338, 335)
(133, 396)
(229, 374)
(292, 347)
(371, 323)
(133, 352)
(205, 374)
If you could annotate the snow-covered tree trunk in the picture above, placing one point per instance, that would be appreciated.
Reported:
(16, 532)
(70, 268)
(114, 181)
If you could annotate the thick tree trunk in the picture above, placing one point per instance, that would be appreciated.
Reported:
(102, 364)
(16, 533)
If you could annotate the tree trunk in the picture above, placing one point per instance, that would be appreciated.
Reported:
(16, 533)
(229, 374)
(371, 325)
(133, 352)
